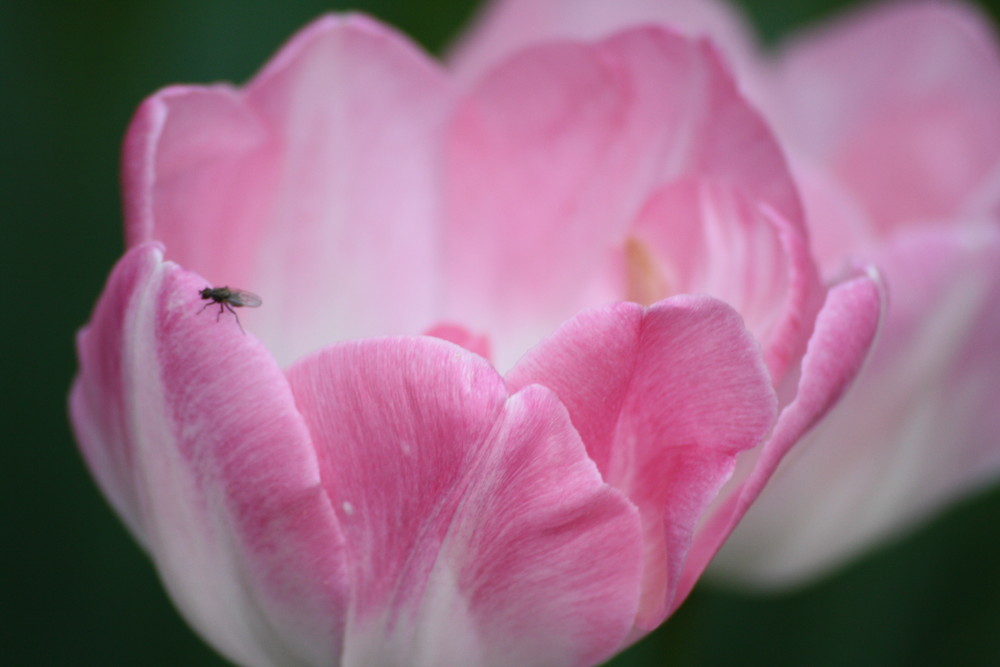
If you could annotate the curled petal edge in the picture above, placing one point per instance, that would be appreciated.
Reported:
(842, 338)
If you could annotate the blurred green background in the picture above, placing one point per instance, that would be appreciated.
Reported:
(78, 591)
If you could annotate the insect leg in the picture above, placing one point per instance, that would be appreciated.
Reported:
(238, 323)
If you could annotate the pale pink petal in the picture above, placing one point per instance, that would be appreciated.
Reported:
(478, 531)
(506, 26)
(918, 428)
(314, 184)
(190, 429)
(560, 147)
(840, 231)
(709, 238)
(664, 398)
(841, 340)
(902, 102)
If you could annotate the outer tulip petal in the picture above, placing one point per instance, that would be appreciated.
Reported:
(664, 398)
(316, 182)
(561, 146)
(506, 26)
(190, 428)
(919, 426)
(478, 531)
(840, 343)
(901, 103)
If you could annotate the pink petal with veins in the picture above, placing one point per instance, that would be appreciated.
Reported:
(664, 398)
(190, 427)
(315, 182)
(478, 532)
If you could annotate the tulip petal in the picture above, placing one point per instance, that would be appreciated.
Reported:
(917, 429)
(560, 147)
(477, 529)
(901, 102)
(459, 335)
(707, 238)
(664, 398)
(840, 231)
(190, 429)
(316, 182)
(507, 26)
(844, 332)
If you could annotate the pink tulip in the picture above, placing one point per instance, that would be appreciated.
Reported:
(891, 118)
(542, 478)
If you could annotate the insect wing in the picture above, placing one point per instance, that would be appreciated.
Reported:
(238, 297)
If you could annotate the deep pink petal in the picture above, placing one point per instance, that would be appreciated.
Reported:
(901, 103)
(664, 398)
(918, 428)
(842, 338)
(316, 183)
(190, 429)
(506, 26)
(478, 530)
(560, 147)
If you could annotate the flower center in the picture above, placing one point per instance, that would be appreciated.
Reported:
(645, 282)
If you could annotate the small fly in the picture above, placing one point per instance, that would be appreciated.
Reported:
(227, 297)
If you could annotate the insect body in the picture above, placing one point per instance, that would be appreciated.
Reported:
(227, 297)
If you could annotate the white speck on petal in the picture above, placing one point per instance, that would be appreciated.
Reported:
(348, 508)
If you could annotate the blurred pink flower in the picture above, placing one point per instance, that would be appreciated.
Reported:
(542, 478)
(891, 119)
